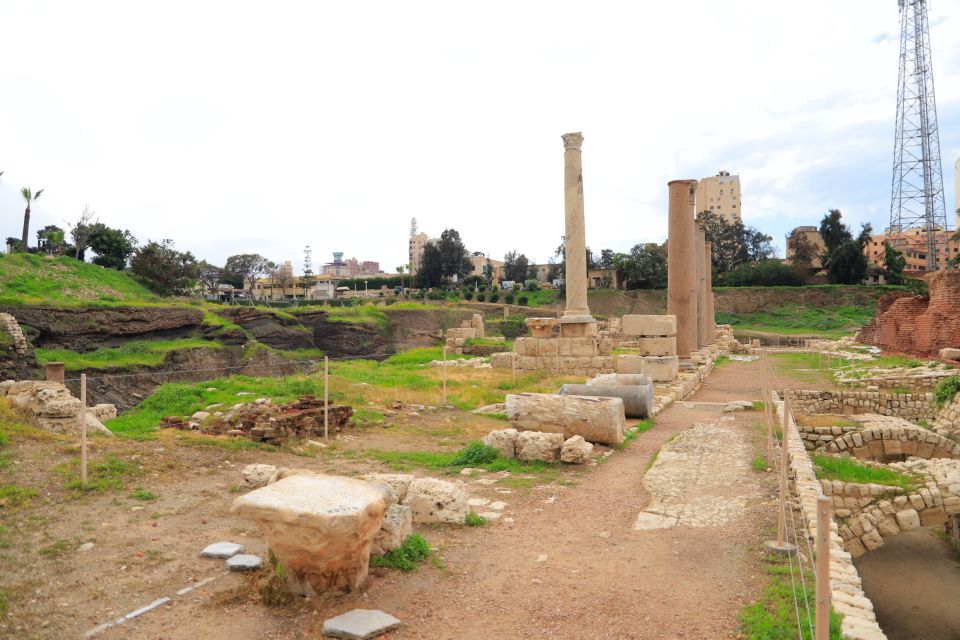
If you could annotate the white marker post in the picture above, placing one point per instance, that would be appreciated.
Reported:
(83, 431)
(444, 375)
(326, 398)
(822, 588)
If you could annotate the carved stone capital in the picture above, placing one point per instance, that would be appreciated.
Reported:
(572, 141)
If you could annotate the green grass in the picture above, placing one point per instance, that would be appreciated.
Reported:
(946, 390)
(773, 616)
(143, 494)
(4, 605)
(36, 279)
(758, 463)
(634, 432)
(406, 557)
(475, 453)
(143, 353)
(474, 520)
(804, 368)
(791, 319)
(12, 495)
(435, 461)
(539, 298)
(365, 314)
(849, 470)
(55, 550)
(109, 474)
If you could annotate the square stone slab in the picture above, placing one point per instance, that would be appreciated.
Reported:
(360, 624)
(222, 550)
(243, 562)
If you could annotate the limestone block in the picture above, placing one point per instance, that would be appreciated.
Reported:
(433, 500)
(319, 527)
(575, 450)
(660, 368)
(397, 525)
(619, 378)
(888, 527)
(933, 517)
(399, 482)
(576, 329)
(658, 346)
(581, 347)
(854, 547)
(908, 519)
(949, 353)
(502, 360)
(504, 441)
(637, 400)
(646, 325)
(257, 475)
(539, 445)
(872, 540)
(629, 364)
(596, 419)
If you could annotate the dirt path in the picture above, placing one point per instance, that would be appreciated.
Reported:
(569, 565)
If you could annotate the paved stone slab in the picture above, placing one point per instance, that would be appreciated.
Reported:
(222, 550)
(359, 624)
(243, 562)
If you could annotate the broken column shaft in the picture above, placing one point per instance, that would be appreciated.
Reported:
(681, 266)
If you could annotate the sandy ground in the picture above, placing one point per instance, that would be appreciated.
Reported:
(569, 566)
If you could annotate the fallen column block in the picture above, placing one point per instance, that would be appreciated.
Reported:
(649, 325)
(658, 346)
(319, 527)
(619, 378)
(637, 399)
(597, 419)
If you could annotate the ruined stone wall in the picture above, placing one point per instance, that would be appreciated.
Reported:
(911, 406)
(948, 418)
(918, 324)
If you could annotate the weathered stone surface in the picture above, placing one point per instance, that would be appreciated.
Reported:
(221, 550)
(908, 519)
(629, 364)
(258, 475)
(397, 525)
(660, 368)
(933, 517)
(538, 445)
(243, 562)
(619, 378)
(504, 441)
(319, 527)
(666, 346)
(596, 419)
(50, 406)
(637, 399)
(399, 482)
(872, 540)
(359, 624)
(649, 325)
(576, 450)
(433, 500)
(949, 353)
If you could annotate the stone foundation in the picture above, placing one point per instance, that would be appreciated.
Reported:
(911, 406)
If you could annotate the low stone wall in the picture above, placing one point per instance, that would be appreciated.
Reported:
(922, 379)
(947, 422)
(912, 406)
(846, 588)
(879, 443)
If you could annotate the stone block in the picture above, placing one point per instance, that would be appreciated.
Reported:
(397, 525)
(629, 364)
(258, 475)
(502, 360)
(658, 346)
(433, 500)
(933, 517)
(578, 329)
(541, 327)
(888, 527)
(872, 540)
(319, 527)
(637, 399)
(539, 445)
(596, 419)
(504, 441)
(398, 482)
(908, 519)
(581, 347)
(221, 550)
(660, 368)
(892, 447)
(649, 325)
(359, 624)
(575, 450)
(950, 353)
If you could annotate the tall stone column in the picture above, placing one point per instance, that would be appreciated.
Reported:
(575, 273)
(702, 320)
(681, 268)
(711, 310)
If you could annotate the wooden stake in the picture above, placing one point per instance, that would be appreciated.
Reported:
(326, 398)
(513, 367)
(784, 461)
(823, 569)
(83, 431)
(444, 375)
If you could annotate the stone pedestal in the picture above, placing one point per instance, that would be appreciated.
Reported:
(319, 527)
(575, 241)
(681, 266)
(53, 372)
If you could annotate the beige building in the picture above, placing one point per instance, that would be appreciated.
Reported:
(418, 242)
(479, 260)
(720, 194)
(956, 199)
(812, 234)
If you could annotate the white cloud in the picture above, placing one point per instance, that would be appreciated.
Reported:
(239, 126)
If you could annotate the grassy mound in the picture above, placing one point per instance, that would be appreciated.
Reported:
(35, 279)
(796, 319)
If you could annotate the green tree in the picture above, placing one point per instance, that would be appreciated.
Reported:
(82, 231)
(734, 243)
(208, 276)
(112, 246)
(893, 264)
(515, 266)
(834, 233)
(51, 240)
(848, 265)
(430, 273)
(606, 260)
(645, 267)
(163, 269)
(30, 197)
(248, 266)
(454, 260)
(803, 251)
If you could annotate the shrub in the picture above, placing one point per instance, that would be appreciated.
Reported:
(523, 300)
(468, 295)
(475, 453)
(436, 295)
(494, 296)
(531, 285)
(767, 273)
(946, 391)
(481, 296)
(513, 327)
(405, 557)
(508, 298)
(474, 520)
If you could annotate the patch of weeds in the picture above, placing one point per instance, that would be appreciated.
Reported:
(12, 495)
(475, 453)
(758, 463)
(496, 416)
(474, 520)
(721, 360)
(652, 460)
(55, 550)
(274, 592)
(758, 405)
(366, 416)
(634, 432)
(102, 475)
(414, 550)
(155, 515)
(848, 470)
(143, 494)
(773, 616)
(4, 605)
(946, 390)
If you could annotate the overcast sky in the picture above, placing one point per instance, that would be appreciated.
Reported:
(236, 127)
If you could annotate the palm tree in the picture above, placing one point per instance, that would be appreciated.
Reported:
(30, 197)
(400, 271)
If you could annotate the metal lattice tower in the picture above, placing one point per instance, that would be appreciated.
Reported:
(917, 199)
